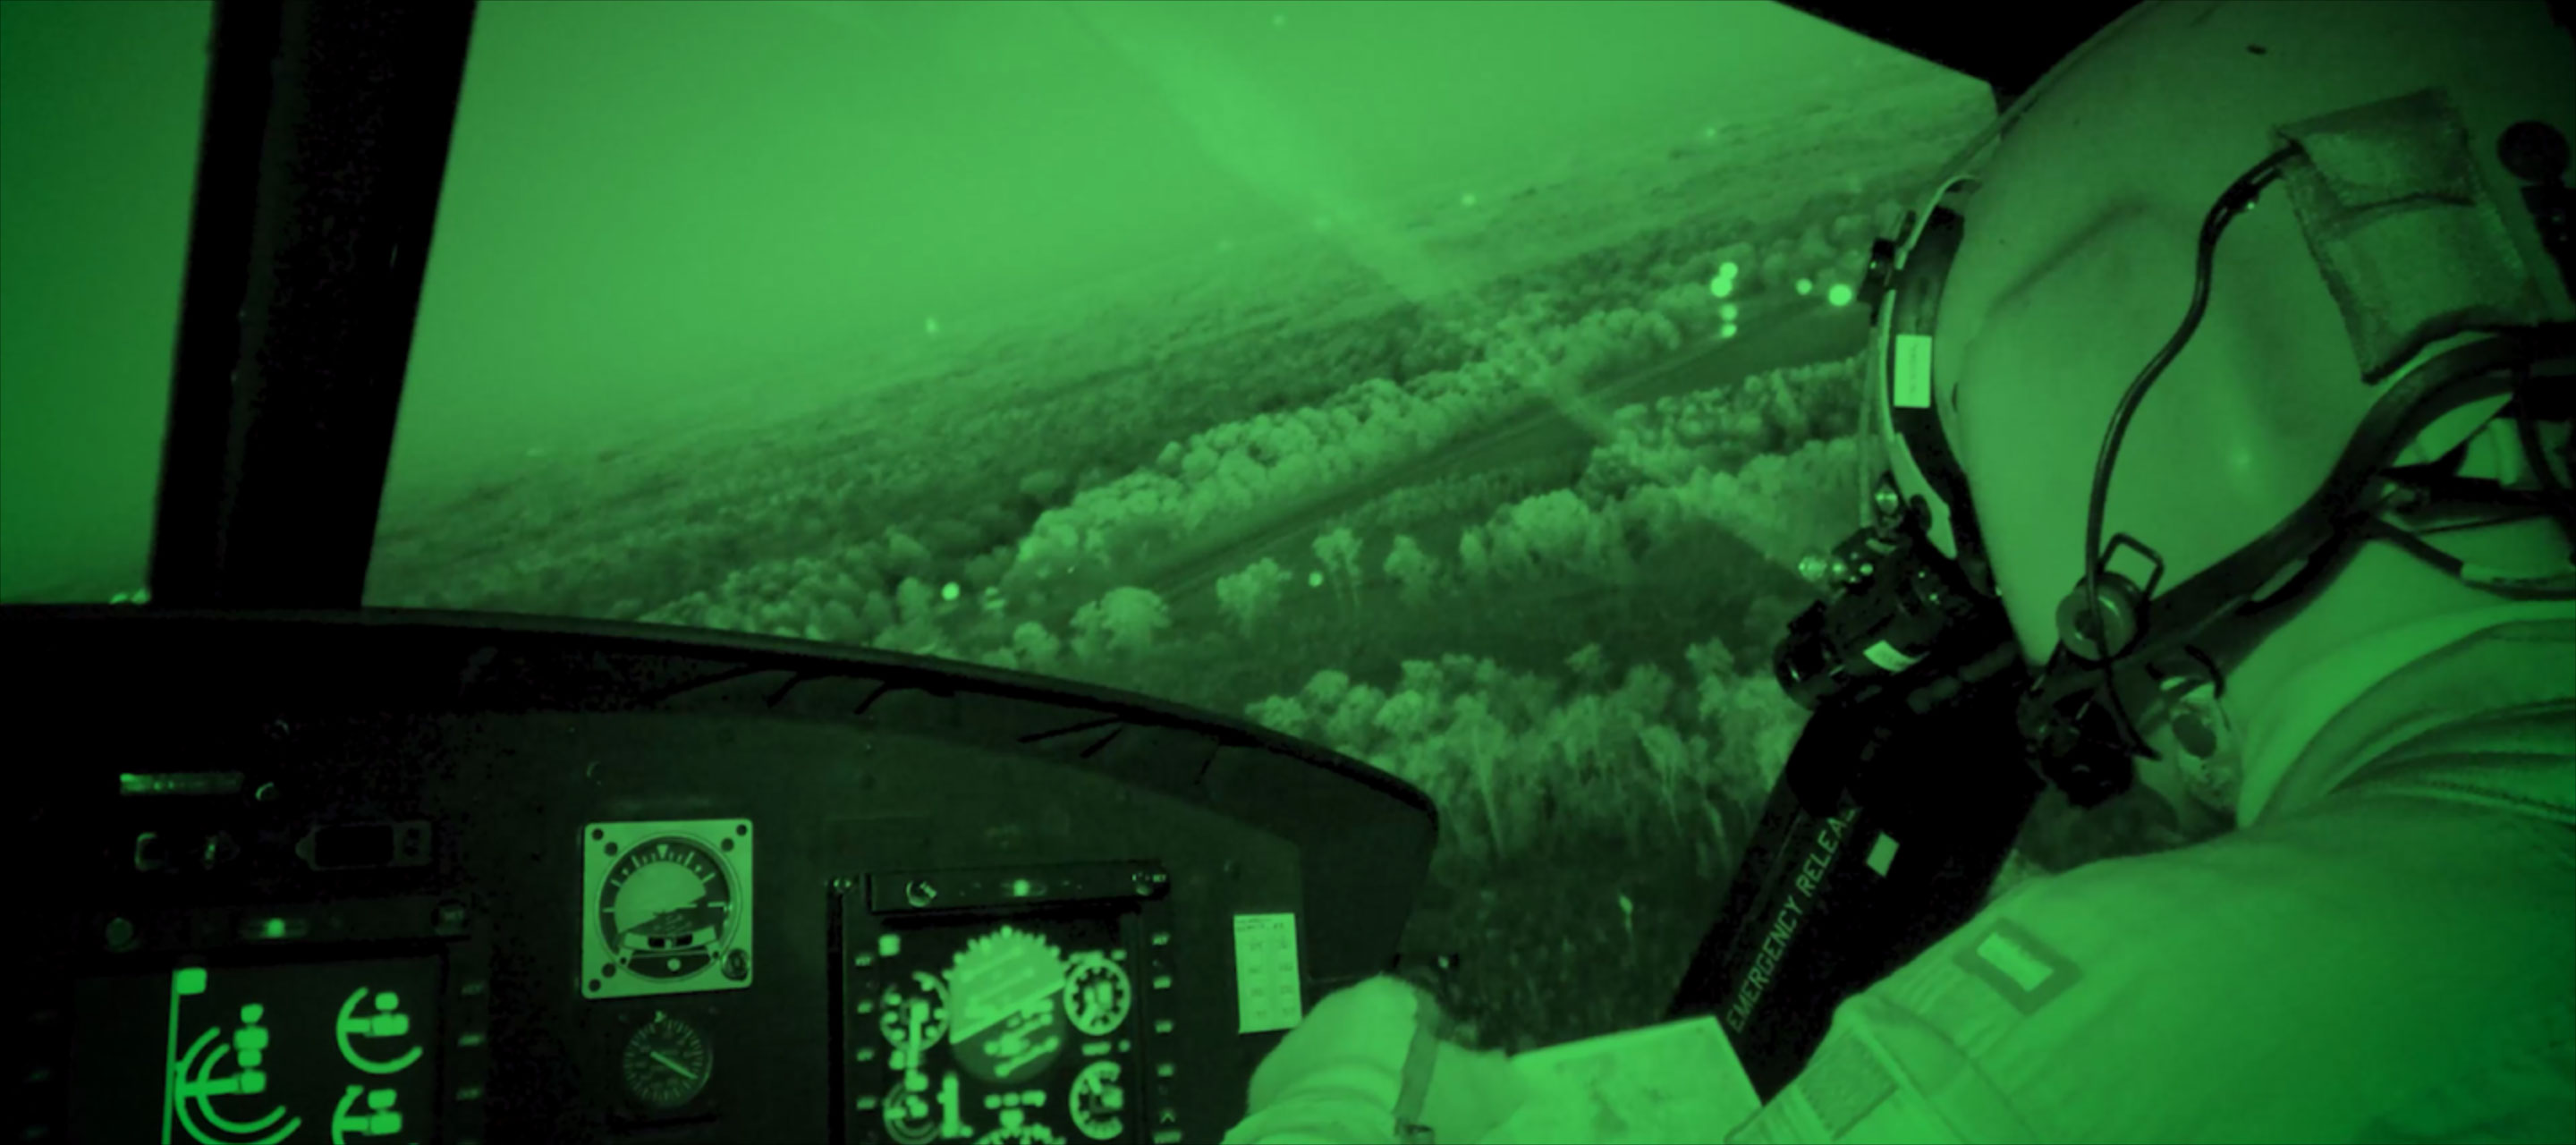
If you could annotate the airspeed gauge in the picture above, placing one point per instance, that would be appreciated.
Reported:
(666, 1063)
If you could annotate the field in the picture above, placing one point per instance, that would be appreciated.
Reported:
(1501, 496)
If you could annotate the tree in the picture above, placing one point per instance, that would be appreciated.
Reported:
(1412, 568)
(1282, 714)
(906, 555)
(1090, 632)
(1556, 526)
(1339, 552)
(912, 601)
(1348, 728)
(1324, 690)
(1131, 617)
(1408, 715)
(1480, 745)
(841, 625)
(876, 613)
(1471, 554)
(1043, 485)
(1675, 767)
(1198, 464)
(1711, 657)
(1037, 647)
(1250, 594)
(1589, 665)
(1646, 693)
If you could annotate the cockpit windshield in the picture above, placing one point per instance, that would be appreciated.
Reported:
(1455, 385)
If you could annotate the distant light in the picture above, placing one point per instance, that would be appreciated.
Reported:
(1727, 312)
(930, 326)
(1726, 269)
(1279, 21)
(948, 591)
(1806, 286)
(1708, 133)
(1726, 331)
(1721, 286)
(1840, 295)
(1467, 200)
(1314, 580)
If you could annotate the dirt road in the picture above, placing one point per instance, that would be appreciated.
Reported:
(1542, 431)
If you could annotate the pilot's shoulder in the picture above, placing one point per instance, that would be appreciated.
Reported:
(2278, 979)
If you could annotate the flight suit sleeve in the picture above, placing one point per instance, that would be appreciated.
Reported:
(2373, 964)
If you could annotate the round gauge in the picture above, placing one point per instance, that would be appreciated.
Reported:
(666, 908)
(1096, 1100)
(914, 1016)
(666, 1063)
(1096, 994)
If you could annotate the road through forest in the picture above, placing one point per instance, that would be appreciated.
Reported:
(1817, 333)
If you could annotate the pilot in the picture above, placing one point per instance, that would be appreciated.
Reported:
(2383, 948)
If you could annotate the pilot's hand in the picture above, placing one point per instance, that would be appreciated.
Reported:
(1339, 1076)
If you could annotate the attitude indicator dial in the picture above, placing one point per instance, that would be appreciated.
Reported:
(666, 908)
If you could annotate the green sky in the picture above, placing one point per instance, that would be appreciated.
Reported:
(643, 197)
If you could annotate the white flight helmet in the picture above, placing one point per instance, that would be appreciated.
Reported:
(2408, 160)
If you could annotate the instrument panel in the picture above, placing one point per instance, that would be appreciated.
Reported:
(574, 887)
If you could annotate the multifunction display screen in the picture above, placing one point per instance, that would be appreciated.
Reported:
(327, 1051)
(1008, 1030)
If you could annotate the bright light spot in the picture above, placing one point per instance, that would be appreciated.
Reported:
(1279, 21)
(1314, 580)
(1839, 295)
(1727, 312)
(1708, 133)
(929, 325)
(1467, 200)
(1726, 269)
(948, 591)
(1726, 331)
(1721, 286)
(1806, 286)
